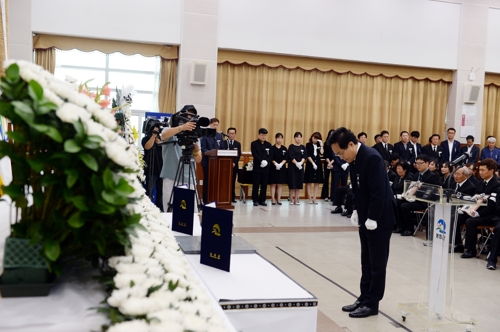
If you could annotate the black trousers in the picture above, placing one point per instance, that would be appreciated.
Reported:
(374, 257)
(205, 185)
(259, 180)
(399, 215)
(336, 177)
(406, 209)
(325, 191)
(495, 244)
(235, 172)
(471, 231)
(343, 193)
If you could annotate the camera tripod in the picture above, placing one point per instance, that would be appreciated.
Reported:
(186, 160)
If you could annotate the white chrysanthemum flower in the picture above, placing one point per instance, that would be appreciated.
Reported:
(123, 280)
(138, 325)
(194, 323)
(166, 326)
(138, 306)
(70, 113)
(130, 268)
(118, 259)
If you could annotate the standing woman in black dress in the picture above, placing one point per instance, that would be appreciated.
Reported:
(277, 172)
(297, 156)
(328, 154)
(314, 169)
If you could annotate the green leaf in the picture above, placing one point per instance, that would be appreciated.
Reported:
(151, 290)
(103, 208)
(91, 145)
(124, 188)
(101, 245)
(49, 179)
(35, 90)
(24, 111)
(95, 139)
(108, 179)
(52, 250)
(80, 130)
(71, 179)
(12, 72)
(36, 164)
(80, 203)
(34, 233)
(38, 199)
(45, 106)
(172, 286)
(71, 146)
(17, 136)
(89, 161)
(76, 220)
(49, 131)
(13, 190)
(113, 198)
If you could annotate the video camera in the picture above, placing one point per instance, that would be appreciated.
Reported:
(150, 125)
(189, 114)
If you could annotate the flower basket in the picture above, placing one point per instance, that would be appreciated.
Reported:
(25, 270)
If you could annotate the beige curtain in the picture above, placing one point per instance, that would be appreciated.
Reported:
(289, 100)
(3, 35)
(491, 113)
(46, 58)
(168, 86)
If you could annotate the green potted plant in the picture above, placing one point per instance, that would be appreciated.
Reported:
(73, 176)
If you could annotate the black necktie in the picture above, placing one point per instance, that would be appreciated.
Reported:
(434, 149)
(458, 187)
(419, 176)
(386, 147)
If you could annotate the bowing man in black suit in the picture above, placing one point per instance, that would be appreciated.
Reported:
(374, 215)
(451, 147)
(384, 147)
(424, 174)
(434, 150)
(262, 153)
(471, 149)
(402, 148)
(484, 215)
(208, 144)
(232, 144)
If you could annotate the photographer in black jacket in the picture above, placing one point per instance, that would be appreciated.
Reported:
(154, 163)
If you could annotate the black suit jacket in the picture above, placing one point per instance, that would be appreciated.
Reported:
(208, 144)
(446, 150)
(261, 151)
(383, 152)
(404, 154)
(428, 177)
(474, 154)
(439, 155)
(373, 197)
(492, 187)
(467, 188)
(236, 146)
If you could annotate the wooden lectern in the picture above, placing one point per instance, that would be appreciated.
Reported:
(220, 177)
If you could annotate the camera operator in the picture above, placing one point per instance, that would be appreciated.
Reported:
(173, 152)
(154, 164)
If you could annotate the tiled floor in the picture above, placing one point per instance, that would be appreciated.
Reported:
(321, 251)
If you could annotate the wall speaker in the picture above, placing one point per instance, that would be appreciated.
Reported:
(199, 72)
(471, 93)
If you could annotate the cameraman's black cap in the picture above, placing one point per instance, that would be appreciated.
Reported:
(189, 108)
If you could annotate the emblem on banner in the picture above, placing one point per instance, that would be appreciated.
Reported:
(441, 229)
(183, 205)
(216, 230)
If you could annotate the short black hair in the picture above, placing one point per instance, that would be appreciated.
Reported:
(404, 165)
(438, 136)
(262, 131)
(231, 128)
(278, 135)
(394, 156)
(470, 137)
(297, 134)
(362, 134)
(415, 134)
(401, 133)
(451, 129)
(376, 136)
(423, 157)
(490, 164)
(213, 120)
(383, 132)
(342, 136)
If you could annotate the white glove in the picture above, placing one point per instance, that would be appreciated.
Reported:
(263, 163)
(320, 142)
(278, 166)
(354, 218)
(344, 166)
(299, 165)
(315, 166)
(370, 224)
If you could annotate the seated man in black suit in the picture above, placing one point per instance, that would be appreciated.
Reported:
(377, 138)
(484, 215)
(423, 175)
(471, 149)
(434, 150)
(390, 173)
(384, 147)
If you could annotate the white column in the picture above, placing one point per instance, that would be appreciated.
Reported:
(20, 40)
(471, 59)
(198, 43)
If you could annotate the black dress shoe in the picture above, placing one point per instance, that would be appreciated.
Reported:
(459, 248)
(348, 215)
(279, 203)
(351, 307)
(263, 204)
(255, 204)
(397, 230)
(234, 201)
(273, 203)
(363, 311)
(338, 209)
(406, 233)
(468, 254)
(491, 265)
(345, 213)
